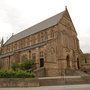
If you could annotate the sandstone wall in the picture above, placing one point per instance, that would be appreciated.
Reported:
(18, 82)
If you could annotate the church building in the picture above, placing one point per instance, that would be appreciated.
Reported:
(52, 43)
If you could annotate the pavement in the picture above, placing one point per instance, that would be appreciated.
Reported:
(64, 87)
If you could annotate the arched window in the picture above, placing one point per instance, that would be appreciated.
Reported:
(24, 57)
(85, 60)
(34, 56)
(78, 65)
(41, 62)
(68, 61)
(41, 59)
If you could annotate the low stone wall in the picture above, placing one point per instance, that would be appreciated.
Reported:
(18, 82)
(44, 81)
(64, 80)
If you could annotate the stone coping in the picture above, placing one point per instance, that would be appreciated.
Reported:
(59, 77)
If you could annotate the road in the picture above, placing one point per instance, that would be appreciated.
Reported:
(66, 87)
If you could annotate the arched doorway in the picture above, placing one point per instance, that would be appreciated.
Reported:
(78, 66)
(68, 61)
(41, 62)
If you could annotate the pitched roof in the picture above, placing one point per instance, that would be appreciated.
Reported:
(36, 28)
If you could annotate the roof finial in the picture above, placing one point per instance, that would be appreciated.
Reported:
(65, 7)
(12, 34)
(2, 41)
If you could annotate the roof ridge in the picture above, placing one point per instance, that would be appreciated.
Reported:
(38, 23)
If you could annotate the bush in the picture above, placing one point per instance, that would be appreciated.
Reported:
(15, 66)
(25, 65)
(24, 74)
(16, 74)
(20, 70)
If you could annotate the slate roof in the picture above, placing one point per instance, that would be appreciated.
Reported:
(36, 28)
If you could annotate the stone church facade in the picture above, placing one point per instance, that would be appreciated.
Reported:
(52, 43)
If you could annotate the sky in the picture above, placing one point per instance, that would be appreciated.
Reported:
(17, 15)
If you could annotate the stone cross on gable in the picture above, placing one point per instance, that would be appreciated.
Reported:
(2, 41)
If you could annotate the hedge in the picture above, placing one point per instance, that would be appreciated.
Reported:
(16, 74)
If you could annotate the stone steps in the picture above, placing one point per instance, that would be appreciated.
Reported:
(80, 73)
(70, 72)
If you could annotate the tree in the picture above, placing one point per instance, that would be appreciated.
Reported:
(27, 64)
(24, 65)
